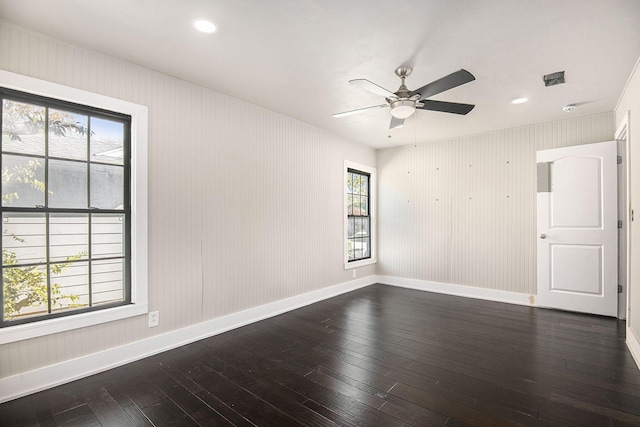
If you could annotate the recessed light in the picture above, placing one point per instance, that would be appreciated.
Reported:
(519, 100)
(205, 26)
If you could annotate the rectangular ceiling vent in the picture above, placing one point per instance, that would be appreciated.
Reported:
(553, 78)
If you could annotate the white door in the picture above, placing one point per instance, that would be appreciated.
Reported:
(578, 228)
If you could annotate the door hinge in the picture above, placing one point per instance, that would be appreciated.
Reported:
(619, 223)
(619, 160)
(619, 289)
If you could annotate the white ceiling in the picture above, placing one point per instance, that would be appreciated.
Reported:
(296, 56)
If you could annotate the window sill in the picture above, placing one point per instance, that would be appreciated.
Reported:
(62, 324)
(361, 263)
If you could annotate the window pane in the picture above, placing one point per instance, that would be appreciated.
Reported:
(107, 281)
(107, 187)
(356, 205)
(358, 227)
(350, 182)
(360, 245)
(23, 238)
(351, 227)
(356, 183)
(364, 188)
(358, 248)
(22, 128)
(366, 248)
(22, 181)
(67, 135)
(364, 209)
(69, 285)
(67, 184)
(365, 228)
(25, 291)
(107, 141)
(107, 236)
(68, 237)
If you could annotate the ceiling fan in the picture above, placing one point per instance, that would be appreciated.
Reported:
(404, 102)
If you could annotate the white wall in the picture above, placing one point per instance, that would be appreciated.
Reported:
(630, 101)
(245, 204)
(463, 211)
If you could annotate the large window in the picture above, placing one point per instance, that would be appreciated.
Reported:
(73, 208)
(360, 215)
(65, 208)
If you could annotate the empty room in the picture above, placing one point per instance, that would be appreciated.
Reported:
(320, 213)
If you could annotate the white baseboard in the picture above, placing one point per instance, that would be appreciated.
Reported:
(46, 377)
(459, 290)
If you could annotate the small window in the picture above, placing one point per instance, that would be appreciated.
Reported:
(360, 215)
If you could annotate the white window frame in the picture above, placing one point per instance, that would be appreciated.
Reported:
(139, 238)
(373, 189)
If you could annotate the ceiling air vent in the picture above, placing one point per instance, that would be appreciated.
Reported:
(553, 78)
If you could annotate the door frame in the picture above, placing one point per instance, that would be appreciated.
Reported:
(625, 214)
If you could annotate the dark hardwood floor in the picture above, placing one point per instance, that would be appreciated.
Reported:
(379, 356)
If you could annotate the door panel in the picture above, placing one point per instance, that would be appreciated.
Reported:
(577, 229)
(576, 196)
(577, 269)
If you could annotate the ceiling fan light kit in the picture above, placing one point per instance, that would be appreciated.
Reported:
(404, 102)
(402, 109)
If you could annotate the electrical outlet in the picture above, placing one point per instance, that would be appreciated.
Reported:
(354, 273)
(154, 319)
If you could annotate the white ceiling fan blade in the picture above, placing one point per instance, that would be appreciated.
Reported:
(359, 110)
(396, 123)
(372, 87)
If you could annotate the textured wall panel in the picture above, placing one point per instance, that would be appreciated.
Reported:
(245, 205)
(463, 211)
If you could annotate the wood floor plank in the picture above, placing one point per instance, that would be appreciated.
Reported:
(227, 412)
(446, 407)
(284, 399)
(595, 408)
(107, 410)
(18, 412)
(133, 413)
(233, 395)
(79, 416)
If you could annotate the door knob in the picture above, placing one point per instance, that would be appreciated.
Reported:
(543, 236)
